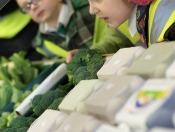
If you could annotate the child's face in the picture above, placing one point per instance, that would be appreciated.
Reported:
(43, 11)
(113, 12)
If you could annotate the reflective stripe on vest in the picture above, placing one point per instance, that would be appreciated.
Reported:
(125, 30)
(160, 20)
(50, 49)
(13, 23)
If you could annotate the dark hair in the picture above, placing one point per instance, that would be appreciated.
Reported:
(64, 1)
(9, 7)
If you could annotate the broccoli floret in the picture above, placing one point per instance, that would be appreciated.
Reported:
(36, 99)
(47, 99)
(83, 60)
(67, 87)
(23, 129)
(30, 120)
(9, 130)
(71, 68)
(96, 59)
(41, 102)
(86, 73)
(37, 109)
(59, 93)
(21, 121)
(55, 104)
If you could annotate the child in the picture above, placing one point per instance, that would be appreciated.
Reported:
(64, 25)
(154, 20)
(15, 37)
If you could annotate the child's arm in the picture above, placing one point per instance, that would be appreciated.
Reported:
(112, 41)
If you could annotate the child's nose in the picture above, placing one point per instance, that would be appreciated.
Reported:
(33, 6)
(93, 10)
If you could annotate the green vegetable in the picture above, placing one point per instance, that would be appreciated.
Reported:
(55, 104)
(20, 122)
(22, 67)
(9, 130)
(86, 73)
(26, 94)
(10, 118)
(84, 65)
(23, 129)
(17, 84)
(5, 114)
(16, 105)
(3, 60)
(41, 102)
(17, 95)
(35, 87)
(3, 119)
(4, 75)
(3, 122)
(5, 94)
(67, 87)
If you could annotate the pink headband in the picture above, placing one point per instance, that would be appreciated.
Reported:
(141, 2)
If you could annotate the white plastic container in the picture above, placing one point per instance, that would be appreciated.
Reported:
(74, 100)
(77, 122)
(49, 121)
(119, 62)
(106, 101)
(154, 61)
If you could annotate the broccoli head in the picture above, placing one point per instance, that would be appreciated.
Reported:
(71, 68)
(9, 130)
(86, 73)
(84, 59)
(21, 121)
(23, 129)
(67, 87)
(55, 104)
(41, 102)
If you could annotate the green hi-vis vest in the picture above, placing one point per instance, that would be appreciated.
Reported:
(125, 30)
(161, 17)
(99, 31)
(12, 24)
(51, 49)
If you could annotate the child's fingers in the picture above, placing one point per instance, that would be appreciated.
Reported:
(70, 55)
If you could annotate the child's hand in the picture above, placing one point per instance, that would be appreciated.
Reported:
(70, 55)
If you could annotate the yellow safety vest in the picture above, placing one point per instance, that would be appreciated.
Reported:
(51, 49)
(160, 20)
(125, 30)
(99, 31)
(12, 24)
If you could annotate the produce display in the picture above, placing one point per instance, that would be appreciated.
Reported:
(120, 103)
(51, 99)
